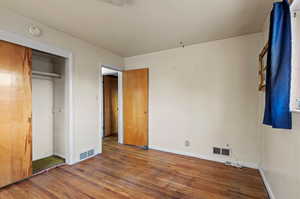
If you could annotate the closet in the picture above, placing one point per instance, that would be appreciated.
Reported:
(48, 141)
(32, 104)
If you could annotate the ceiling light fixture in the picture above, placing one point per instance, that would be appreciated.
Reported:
(35, 31)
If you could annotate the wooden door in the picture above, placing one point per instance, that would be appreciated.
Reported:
(110, 88)
(15, 113)
(135, 107)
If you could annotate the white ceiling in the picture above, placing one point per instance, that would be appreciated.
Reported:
(144, 26)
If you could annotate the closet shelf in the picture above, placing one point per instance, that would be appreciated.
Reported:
(55, 75)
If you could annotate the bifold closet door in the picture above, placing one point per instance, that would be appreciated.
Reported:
(15, 113)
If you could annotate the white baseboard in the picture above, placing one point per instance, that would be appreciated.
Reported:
(59, 155)
(205, 157)
(78, 161)
(268, 186)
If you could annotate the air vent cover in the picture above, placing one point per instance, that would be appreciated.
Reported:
(83, 155)
(91, 152)
(226, 152)
(216, 150)
(87, 154)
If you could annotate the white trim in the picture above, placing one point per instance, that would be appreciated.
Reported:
(59, 155)
(205, 157)
(120, 109)
(78, 161)
(100, 104)
(295, 111)
(268, 186)
(70, 152)
(295, 5)
(292, 82)
(27, 42)
(24, 41)
(116, 68)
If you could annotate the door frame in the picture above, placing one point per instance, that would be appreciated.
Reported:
(120, 102)
(68, 55)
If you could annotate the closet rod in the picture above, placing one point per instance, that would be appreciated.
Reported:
(55, 75)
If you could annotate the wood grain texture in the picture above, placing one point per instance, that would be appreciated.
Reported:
(110, 105)
(125, 172)
(15, 109)
(135, 107)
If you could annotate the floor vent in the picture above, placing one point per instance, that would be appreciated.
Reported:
(216, 150)
(226, 152)
(83, 155)
(91, 152)
(87, 154)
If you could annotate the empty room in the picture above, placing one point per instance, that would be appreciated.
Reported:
(149, 99)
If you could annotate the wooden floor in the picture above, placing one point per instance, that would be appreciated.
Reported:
(127, 172)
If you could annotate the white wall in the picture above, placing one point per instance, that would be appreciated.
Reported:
(42, 118)
(49, 136)
(207, 94)
(60, 134)
(87, 59)
(280, 158)
(42, 108)
(280, 161)
(41, 63)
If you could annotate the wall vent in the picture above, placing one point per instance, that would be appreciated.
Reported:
(226, 152)
(87, 154)
(91, 152)
(216, 150)
(83, 155)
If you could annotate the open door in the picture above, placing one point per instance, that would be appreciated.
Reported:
(110, 89)
(135, 107)
(15, 113)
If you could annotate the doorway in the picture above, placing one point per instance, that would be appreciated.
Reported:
(110, 103)
(48, 121)
(124, 106)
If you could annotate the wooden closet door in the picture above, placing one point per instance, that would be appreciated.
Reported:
(15, 113)
(135, 107)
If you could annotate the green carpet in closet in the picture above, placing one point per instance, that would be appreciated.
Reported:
(46, 163)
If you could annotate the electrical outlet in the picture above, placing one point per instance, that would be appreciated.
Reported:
(216, 150)
(187, 143)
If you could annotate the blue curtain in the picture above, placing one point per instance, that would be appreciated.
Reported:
(278, 76)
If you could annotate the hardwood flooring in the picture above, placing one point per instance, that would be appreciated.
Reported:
(124, 172)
